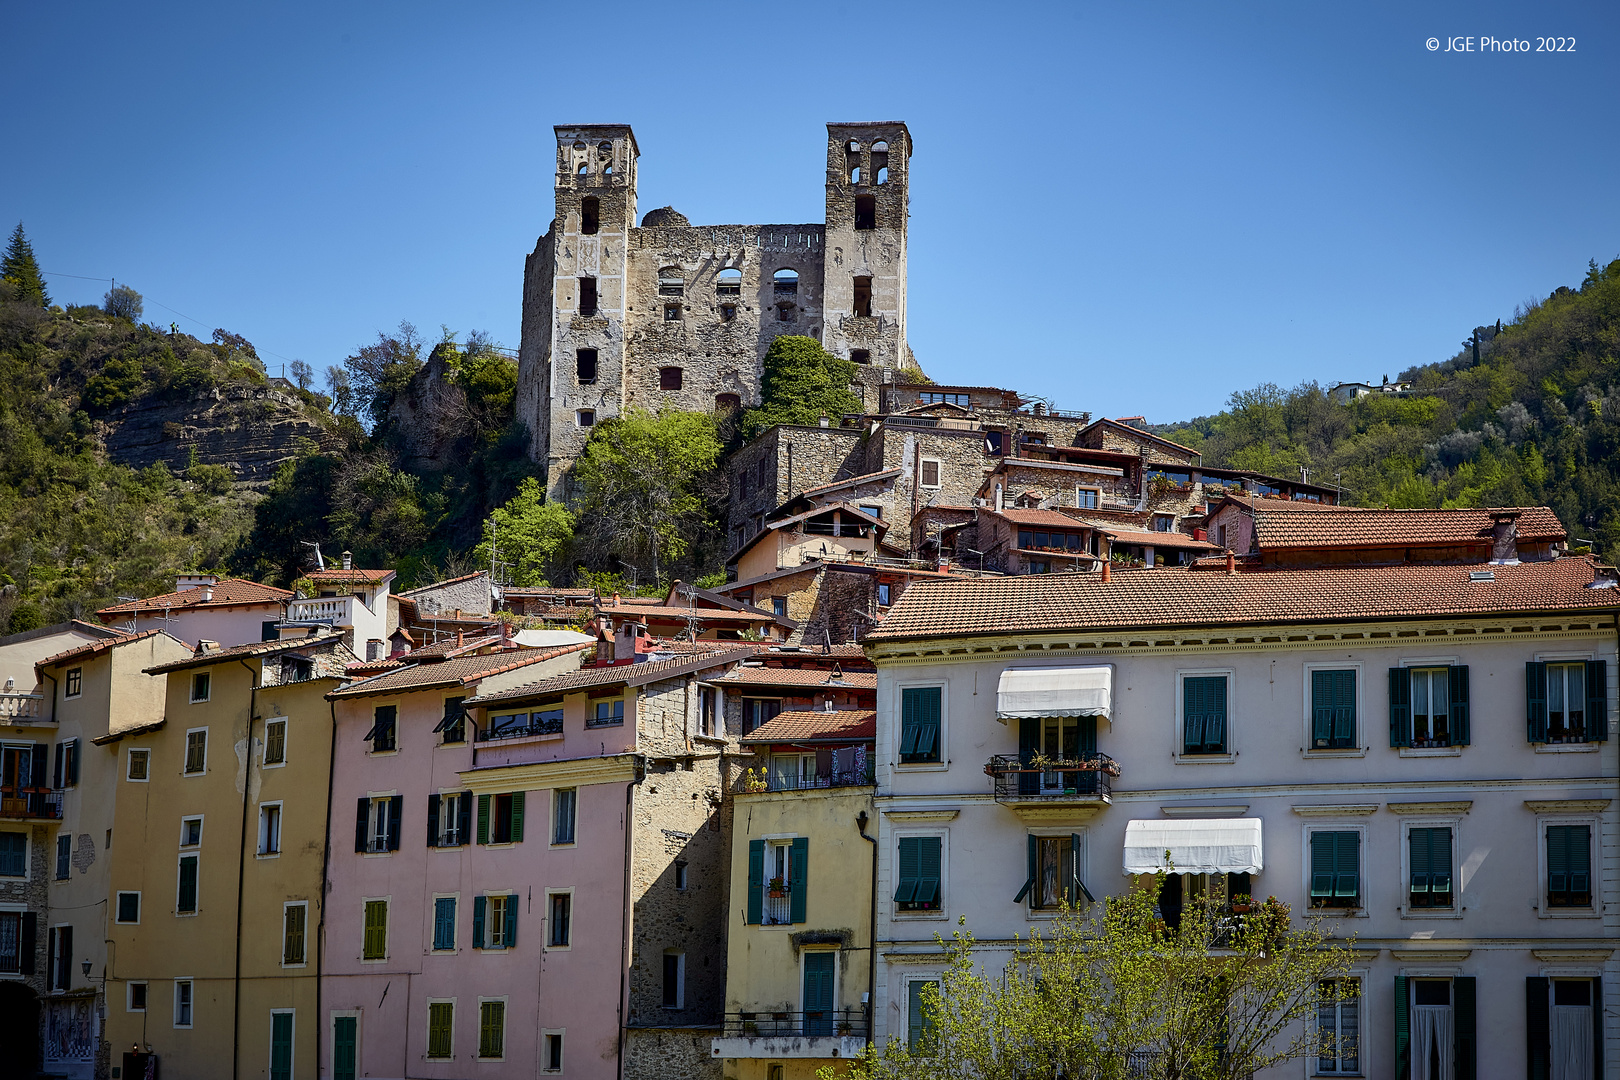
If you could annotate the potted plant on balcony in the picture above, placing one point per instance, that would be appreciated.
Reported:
(1241, 904)
(777, 888)
(754, 780)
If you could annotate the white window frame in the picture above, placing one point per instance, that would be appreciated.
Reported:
(68, 680)
(896, 705)
(552, 822)
(270, 1045)
(1178, 731)
(1081, 866)
(507, 898)
(198, 818)
(1427, 751)
(129, 995)
(1361, 975)
(118, 903)
(332, 1018)
(185, 752)
(895, 913)
(1593, 823)
(568, 892)
(371, 750)
(545, 1050)
(286, 730)
(447, 821)
(939, 473)
(191, 689)
(1358, 826)
(191, 1003)
(680, 980)
(1454, 823)
(1096, 497)
(427, 1028)
(1363, 742)
(480, 1027)
(938, 978)
(129, 765)
(284, 908)
(280, 819)
(373, 817)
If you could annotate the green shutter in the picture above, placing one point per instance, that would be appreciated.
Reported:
(1400, 707)
(187, 900)
(1322, 865)
(906, 889)
(1535, 701)
(1074, 871)
(281, 1036)
(510, 939)
(1029, 879)
(375, 944)
(440, 1018)
(1321, 708)
(1440, 859)
(1597, 700)
(798, 878)
(1538, 1028)
(756, 882)
(483, 819)
(517, 816)
(1347, 868)
(344, 1029)
(919, 723)
(1403, 1028)
(1459, 711)
(1192, 715)
(1464, 993)
(1417, 842)
(479, 903)
(928, 861)
(917, 1019)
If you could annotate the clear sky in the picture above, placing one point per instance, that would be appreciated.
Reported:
(1127, 208)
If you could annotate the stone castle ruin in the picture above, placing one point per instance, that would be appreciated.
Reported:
(617, 314)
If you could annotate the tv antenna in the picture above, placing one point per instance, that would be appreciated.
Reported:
(320, 563)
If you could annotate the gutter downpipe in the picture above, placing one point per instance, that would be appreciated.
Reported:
(241, 871)
(624, 915)
(871, 937)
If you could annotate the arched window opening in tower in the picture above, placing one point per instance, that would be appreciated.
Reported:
(590, 211)
(787, 282)
(866, 211)
(880, 161)
(671, 282)
(863, 297)
(585, 366)
(728, 282)
(584, 168)
(669, 378)
(855, 174)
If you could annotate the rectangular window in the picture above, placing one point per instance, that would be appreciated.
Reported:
(670, 378)
(1336, 869)
(379, 824)
(1430, 852)
(1567, 702)
(13, 854)
(680, 877)
(444, 923)
(863, 298)
(1055, 872)
(75, 682)
(885, 592)
(16, 941)
(139, 760)
(585, 366)
(293, 921)
(562, 910)
(67, 764)
(275, 742)
(270, 829)
(441, 1023)
(491, 1029)
(1431, 708)
(64, 856)
(201, 685)
(930, 473)
(1203, 714)
(672, 313)
(1569, 866)
(920, 724)
(674, 980)
(374, 946)
(606, 714)
(564, 803)
(500, 818)
(1164, 523)
(1338, 1028)
(281, 1044)
(779, 606)
(587, 297)
(196, 751)
(129, 907)
(453, 724)
(757, 711)
(554, 1048)
(182, 1003)
(1333, 710)
(185, 902)
(136, 1001)
(501, 911)
(728, 312)
(191, 832)
(60, 952)
(450, 819)
(919, 874)
(918, 1020)
(382, 734)
(866, 211)
(707, 723)
(1086, 498)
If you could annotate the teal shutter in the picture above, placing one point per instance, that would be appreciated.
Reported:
(517, 816)
(1347, 868)
(1029, 879)
(919, 723)
(1464, 993)
(756, 882)
(1323, 866)
(1535, 701)
(483, 819)
(1538, 1028)
(478, 922)
(1321, 709)
(1597, 700)
(910, 858)
(1400, 707)
(1074, 867)
(1215, 731)
(1459, 713)
(1192, 715)
(1403, 1026)
(917, 1024)
(281, 1046)
(928, 861)
(344, 1030)
(818, 993)
(799, 876)
(510, 940)
(1418, 855)
(1440, 859)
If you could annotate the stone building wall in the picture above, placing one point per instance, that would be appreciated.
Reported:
(467, 595)
(33, 891)
(1057, 482)
(962, 464)
(781, 462)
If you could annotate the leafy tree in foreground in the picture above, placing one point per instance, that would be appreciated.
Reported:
(802, 383)
(1119, 995)
(528, 533)
(21, 269)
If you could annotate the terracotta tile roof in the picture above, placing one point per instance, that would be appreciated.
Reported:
(372, 667)
(649, 671)
(1190, 598)
(846, 651)
(545, 590)
(338, 574)
(242, 652)
(441, 584)
(810, 677)
(462, 671)
(93, 648)
(1140, 433)
(224, 593)
(810, 726)
(445, 649)
(1264, 502)
(678, 614)
(1283, 527)
(1159, 539)
(1050, 519)
(854, 481)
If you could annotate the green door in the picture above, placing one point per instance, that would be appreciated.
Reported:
(818, 992)
(281, 1046)
(343, 1048)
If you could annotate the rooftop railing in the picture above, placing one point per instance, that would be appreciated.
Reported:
(19, 706)
(774, 779)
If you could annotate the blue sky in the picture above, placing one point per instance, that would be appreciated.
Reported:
(1128, 209)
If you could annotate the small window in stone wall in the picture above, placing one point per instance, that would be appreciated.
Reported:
(727, 402)
(930, 473)
(863, 297)
(587, 297)
(860, 356)
(585, 366)
(865, 212)
(587, 418)
(589, 215)
(671, 282)
(786, 282)
(669, 378)
(672, 313)
(728, 312)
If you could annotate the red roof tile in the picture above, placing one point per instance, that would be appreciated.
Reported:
(810, 726)
(679, 614)
(220, 594)
(93, 648)
(240, 652)
(463, 671)
(338, 574)
(1282, 527)
(1190, 598)
(806, 677)
(648, 671)
(1050, 519)
(1159, 539)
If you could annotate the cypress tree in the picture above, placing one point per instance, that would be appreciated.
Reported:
(21, 269)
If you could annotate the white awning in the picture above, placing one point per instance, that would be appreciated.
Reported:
(1208, 846)
(1055, 691)
(550, 639)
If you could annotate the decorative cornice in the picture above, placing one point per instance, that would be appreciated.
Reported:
(1572, 956)
(1363, 953)
(1339, 810)
(944, 813)
(1224, 810)
(1567, 806)
(540, 775)
(1460, 806)
(1035, 813)
(1431, 956)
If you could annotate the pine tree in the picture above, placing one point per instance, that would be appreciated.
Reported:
(21, 269)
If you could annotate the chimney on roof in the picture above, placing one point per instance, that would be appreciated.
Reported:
(506, 631)
(194, 581)
(615, 599)
(1231, 562)
(208, 594)
(1504, 536)
(348, 560)
(458, 639)
(205, 646)
(1107, 574)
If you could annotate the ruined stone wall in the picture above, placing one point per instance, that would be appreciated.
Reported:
(469, 596)
(962, 466)
(532, 404)
(781, 462)
(876, 253)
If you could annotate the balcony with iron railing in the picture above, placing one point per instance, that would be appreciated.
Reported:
(772, 778)
(30, 804)
(552, 725)
(15, 706)
(829, 1033)
(1028, 781)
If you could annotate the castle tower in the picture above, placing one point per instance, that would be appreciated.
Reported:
(868, 202)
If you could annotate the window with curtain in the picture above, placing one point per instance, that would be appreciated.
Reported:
(1338, 1028)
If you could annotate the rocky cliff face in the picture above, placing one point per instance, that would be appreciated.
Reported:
(247, 428)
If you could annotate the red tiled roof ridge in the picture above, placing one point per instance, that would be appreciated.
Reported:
(570, 681)
(252, 648)
(90, 648)
(455, 670)
(193, 597)
(803, 725)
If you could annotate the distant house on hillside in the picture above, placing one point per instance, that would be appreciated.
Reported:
(1346, 392)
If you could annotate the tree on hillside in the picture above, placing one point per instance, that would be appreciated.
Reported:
(528, 534)
(302, 374)
(1118, 994)
(379, 371)
(122, 302)
(21, 269)
(803, 382)
(641, 480)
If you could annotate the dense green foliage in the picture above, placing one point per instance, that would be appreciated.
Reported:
(802, 383)
(20, 269)
(1534, 421)
(527, 536)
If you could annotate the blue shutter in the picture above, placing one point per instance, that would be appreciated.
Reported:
(1192, 715)
(1215, 730)
(1597, 700)
(479, 903)
(1535, 701)
(1400, 707)
(1459, 705)
(756, 882)
(510, 940)
(798, 878)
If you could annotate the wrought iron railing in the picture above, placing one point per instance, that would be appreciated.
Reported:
(811, 1023)
(553, 726)
(1023, 777)
(769, 778)
(29, 802)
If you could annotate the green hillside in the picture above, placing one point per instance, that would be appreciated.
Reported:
(1535, 419)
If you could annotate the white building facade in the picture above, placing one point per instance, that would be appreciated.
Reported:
(1441, 787)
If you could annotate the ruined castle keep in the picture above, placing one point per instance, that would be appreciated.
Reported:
(617, 314)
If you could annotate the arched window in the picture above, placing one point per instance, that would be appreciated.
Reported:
(855, 174)
(584, 169)
(590, 210)
(727, 402)
(671, 281)
(787, 282)
(606, 148)
(863, 297)
(854, 147)
(728, 282)
(669, 378)
(880, 161)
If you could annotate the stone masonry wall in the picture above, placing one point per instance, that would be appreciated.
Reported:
(962, 465)
(790, 459)
(33, 891)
